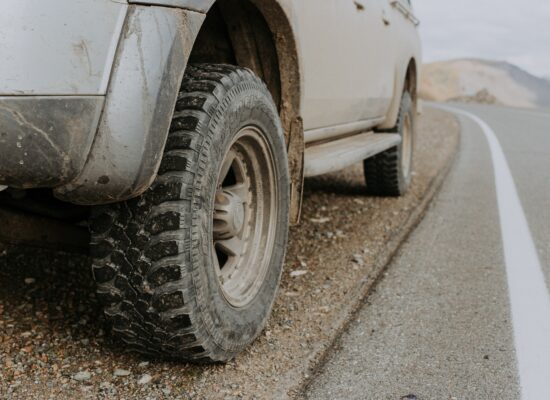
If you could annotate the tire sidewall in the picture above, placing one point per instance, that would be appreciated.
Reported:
(232, 328)
(406, 109)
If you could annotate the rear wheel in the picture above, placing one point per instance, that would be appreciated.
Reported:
(190, 269)
(389, 173)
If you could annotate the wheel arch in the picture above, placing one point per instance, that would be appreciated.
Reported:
(132, 148)
(259, 34)
(406, 80)
(411, 80)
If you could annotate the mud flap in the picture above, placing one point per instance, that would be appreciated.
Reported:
(296, 150)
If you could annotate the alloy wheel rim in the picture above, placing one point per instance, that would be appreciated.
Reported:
(245, 216)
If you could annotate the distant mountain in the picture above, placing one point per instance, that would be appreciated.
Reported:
(483, 81)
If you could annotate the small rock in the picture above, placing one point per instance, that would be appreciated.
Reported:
(82, 376)
(145, 379)
(358, 259)
(104, 385)
(30, 281)
(319, 220)
(121, 372)
(143, 364)
(297, 273)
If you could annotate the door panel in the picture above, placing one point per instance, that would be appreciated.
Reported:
(347, 60)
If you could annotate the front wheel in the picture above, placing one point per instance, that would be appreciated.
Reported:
(190, 269)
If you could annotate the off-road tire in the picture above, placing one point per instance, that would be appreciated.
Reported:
(152, 255)
(384, 173)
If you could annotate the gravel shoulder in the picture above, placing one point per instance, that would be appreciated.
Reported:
(55, 344)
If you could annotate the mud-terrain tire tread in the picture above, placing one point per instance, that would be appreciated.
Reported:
(144, 249)
(383, 172)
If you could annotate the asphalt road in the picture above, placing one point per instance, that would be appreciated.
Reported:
(462, 310)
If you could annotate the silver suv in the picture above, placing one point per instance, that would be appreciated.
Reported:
(187, 128)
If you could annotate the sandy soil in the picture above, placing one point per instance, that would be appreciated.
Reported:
(456, 79)
(54, 342)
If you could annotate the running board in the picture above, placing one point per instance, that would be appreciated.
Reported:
(338, 154)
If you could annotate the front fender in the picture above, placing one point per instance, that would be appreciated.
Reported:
(149, 66)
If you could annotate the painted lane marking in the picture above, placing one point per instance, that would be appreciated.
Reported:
(529, 297)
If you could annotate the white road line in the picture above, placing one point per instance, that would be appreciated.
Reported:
(529, 297)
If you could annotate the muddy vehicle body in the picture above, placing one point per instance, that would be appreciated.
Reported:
(186, 128)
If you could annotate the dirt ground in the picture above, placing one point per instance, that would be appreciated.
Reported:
(54, 342)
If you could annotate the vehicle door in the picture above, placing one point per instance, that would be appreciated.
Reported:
(347, 60)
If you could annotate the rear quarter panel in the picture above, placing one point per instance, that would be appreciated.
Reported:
(406, 48)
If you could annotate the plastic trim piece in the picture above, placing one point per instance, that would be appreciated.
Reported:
(45, 140)
(406, 11)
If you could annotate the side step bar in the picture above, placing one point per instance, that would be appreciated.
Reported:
(338, 154)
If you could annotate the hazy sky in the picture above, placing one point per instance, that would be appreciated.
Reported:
(517, 31)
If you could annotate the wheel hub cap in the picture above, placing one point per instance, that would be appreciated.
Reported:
(229, 215)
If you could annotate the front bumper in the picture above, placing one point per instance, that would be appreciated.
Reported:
(45, 141)
(56, 63)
